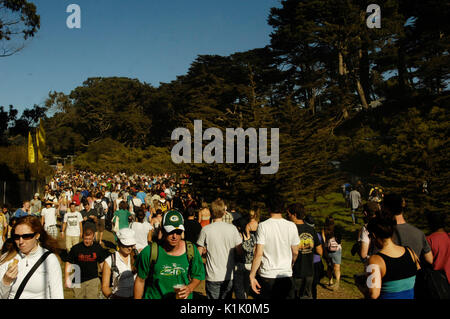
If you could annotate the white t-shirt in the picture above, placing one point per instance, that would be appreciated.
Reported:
(220, 239)
(73, 220)
(49, 216)
(141, 231)
(125, 287)
(46, 282)
(277, 235)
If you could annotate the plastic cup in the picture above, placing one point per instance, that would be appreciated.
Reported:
(177, 288)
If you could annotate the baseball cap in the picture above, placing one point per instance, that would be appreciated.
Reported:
(36, 195)
(126, 236)
(172, 220)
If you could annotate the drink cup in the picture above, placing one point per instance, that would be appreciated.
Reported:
(177, 289)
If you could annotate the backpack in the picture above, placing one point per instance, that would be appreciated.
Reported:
(332, 245)
(114, 282)
(430, 283)
(98, 208)
(154, 256)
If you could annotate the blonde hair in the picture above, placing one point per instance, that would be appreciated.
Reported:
(218, 208)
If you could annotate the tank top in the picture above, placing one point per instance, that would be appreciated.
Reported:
(400, 277)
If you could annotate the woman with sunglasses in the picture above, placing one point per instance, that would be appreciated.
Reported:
(30, 242)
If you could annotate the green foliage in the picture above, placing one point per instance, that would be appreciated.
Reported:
(14, 164)
(108, 155)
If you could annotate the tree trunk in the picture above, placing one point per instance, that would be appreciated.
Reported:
(361, 94)
(312, 101)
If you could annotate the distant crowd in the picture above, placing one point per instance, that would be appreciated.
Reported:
(167, 241)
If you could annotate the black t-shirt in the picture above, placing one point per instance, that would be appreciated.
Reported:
(87, 258)
(178, 203)
(304, 265)
(192, 230)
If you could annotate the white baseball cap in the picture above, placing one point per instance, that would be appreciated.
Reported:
(126, 237)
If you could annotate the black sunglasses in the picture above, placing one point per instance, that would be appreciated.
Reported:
(24, 236)
(176, 231)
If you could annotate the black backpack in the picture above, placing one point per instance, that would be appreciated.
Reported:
(98, 209)
(431, 284)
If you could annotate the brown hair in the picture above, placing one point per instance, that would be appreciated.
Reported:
(218, 208)
(255, 214)
(329, 227)
(45, 240)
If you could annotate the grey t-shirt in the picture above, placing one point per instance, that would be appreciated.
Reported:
(220, 240)
(412, 237)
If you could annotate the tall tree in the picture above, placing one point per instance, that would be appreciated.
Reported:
(18, 21)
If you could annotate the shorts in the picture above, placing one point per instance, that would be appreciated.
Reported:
(101, 225)
(335, 257)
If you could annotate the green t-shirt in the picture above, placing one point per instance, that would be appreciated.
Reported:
(168, 271)
(123, 218)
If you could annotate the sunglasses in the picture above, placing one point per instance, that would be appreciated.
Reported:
(177, 231)
(24, 236)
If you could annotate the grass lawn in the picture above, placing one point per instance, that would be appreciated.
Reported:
(334, 204)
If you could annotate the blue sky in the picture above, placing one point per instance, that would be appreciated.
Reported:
(151, 40)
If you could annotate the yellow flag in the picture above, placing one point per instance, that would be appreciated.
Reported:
(31, 154)
(41, 135)
(40, 157)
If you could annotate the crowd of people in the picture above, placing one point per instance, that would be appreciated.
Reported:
(167, 241)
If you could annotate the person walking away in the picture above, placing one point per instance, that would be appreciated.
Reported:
(142, 230)
(48, 219)
(241, 281)
(392, 271)
(176, 263)
(276, 251)
(220, 242)
(30, 244)
(253, 223)
(333, 252)
(406, 234)
(303, 270)
(100, 208)
(319, 270)
(355, 203)
(439, 242)
(88, 255)
(193, 228)
(123, 214)
(119, 271)
(72, 228)
(365, 248)
(204, 215)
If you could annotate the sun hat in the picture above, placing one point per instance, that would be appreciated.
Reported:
(126, 236)
(172, 220)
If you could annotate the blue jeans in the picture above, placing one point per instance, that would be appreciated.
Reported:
(218, 289)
